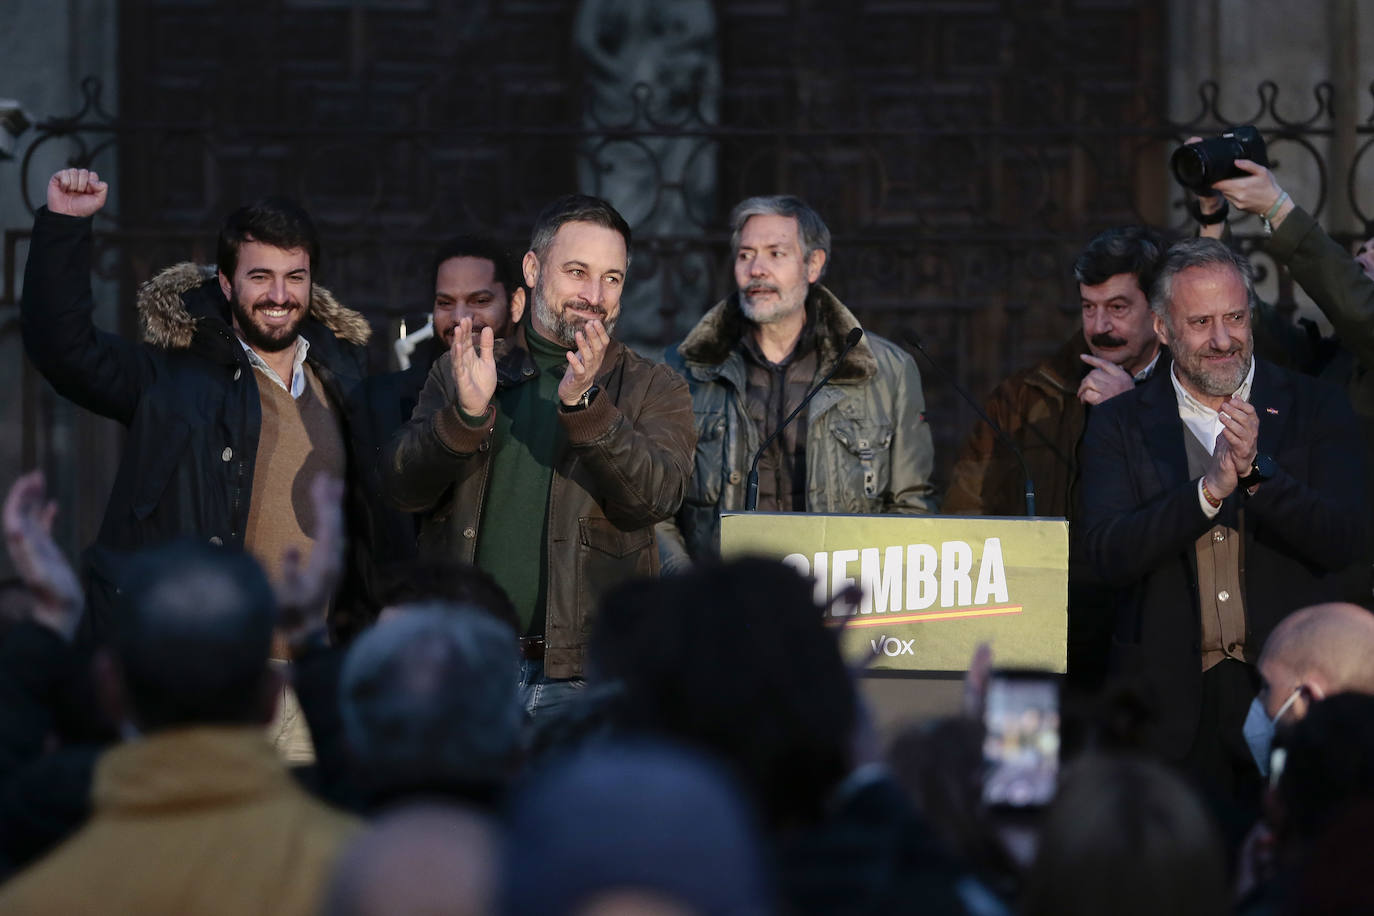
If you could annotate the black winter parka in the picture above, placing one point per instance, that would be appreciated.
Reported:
(186, 393)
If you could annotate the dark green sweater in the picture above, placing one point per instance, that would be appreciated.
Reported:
(512, 543)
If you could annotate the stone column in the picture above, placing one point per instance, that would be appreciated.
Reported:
(47, 47)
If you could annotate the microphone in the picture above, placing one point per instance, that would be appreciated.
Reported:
(751, 487)
(912, 338)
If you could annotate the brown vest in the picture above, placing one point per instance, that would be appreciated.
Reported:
(300, 438)
(1220, 574)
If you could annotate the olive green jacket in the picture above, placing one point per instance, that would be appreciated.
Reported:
(868, 446)
(1326, 272)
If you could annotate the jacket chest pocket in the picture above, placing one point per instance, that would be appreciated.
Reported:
(608, 556)
(711, 465)
(863, 464)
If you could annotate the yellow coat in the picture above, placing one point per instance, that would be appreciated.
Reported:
(200, 820)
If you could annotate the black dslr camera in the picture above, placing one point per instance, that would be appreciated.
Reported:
(1197, 166)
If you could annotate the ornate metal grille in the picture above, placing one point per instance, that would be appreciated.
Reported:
(962, 154)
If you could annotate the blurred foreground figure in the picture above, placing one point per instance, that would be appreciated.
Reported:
(1324, 791)
(736, 659)
(1127, 837)
(1312, 654)
(632, 828)
(194, 812)
(431, 707)
(421, 860)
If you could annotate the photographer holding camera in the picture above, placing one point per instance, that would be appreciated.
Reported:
(1321, 266)
(1339, 284)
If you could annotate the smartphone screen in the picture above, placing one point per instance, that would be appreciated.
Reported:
(1021, 745)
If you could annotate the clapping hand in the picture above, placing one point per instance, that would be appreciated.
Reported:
(1236, 447)
(584, 362)
(474, 367)
(28, 518)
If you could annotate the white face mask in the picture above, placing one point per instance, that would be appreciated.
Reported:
(1259, 729)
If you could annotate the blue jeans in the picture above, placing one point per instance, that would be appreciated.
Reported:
(546, 698)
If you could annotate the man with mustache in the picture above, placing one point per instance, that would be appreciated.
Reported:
(1043, 408)
(862, 446)
(234, 401)
(548, 464)
(1216, 504)
(474, 278)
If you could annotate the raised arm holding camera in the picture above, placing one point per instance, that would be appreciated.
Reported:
(1321, 266)
(1232, 170)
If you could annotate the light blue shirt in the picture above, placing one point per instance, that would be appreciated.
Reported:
(297, 372)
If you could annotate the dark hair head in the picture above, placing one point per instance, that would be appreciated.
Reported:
(1329, 764)
(576, 208)
(193, 634)
(1334, 878)
(1126, 836)
(430, 702)
(1135, 250)
(736, 658)
(485, 249)
(429, 856)
(1187, 254)
(939, 764)
(637, 816)
(815, 235)
(454, 582)
(276, 221)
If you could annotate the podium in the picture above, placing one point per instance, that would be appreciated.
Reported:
(934, 587)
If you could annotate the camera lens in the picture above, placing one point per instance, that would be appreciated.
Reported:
(1189, 167)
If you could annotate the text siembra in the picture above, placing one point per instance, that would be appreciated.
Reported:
(911, 577)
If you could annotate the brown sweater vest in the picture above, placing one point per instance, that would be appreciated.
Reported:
(300, 438)
(1220, 574)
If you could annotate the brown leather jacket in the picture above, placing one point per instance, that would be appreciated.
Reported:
(1039, 409)
(625, 467)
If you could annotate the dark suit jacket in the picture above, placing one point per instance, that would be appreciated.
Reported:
(1139, 517)
(383, 404)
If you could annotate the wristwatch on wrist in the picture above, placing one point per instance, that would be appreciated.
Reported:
(583, 402)
(1263, 468)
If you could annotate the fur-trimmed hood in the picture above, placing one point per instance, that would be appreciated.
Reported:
(718, 333)
(173, 303)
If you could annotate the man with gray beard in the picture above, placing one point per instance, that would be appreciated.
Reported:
(1217, 504)
(549, 465)
(863, 446)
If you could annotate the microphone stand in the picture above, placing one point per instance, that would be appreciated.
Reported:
(912, 338)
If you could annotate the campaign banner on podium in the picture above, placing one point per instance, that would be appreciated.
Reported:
(934, 587)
